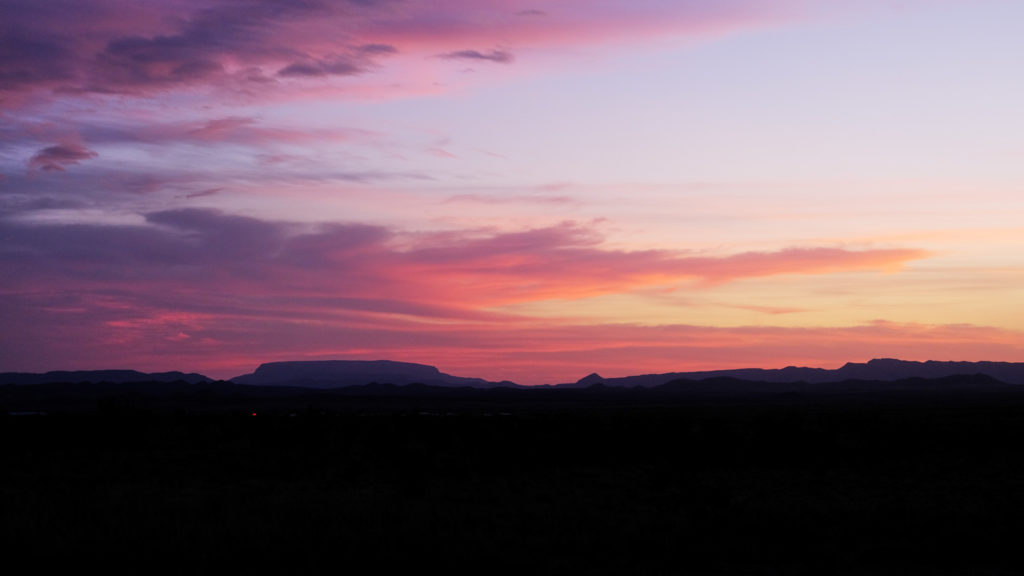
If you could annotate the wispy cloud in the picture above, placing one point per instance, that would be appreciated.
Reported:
(203, 193)
(509, 199)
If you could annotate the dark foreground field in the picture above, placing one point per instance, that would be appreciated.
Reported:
(886, 487)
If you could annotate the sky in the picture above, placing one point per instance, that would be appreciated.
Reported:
(521, 190)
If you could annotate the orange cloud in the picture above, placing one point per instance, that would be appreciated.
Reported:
(567, 262)
(455, 270)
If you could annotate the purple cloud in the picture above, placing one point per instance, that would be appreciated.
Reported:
(26, 60)
(55, 158)
(334, 66)
(141, 48)
(118, 47)
(499, 56)
(201, 45)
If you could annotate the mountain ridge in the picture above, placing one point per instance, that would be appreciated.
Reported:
(98, 376)
(327, 374)
(878, 369)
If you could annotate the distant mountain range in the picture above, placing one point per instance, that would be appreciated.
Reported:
(332, 374)
(881, 370)
(99, 376)
(387, 385)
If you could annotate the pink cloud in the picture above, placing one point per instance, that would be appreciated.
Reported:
(201, 288)
(455, 269)
(494, 30)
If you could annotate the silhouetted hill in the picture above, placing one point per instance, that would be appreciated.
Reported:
(587, 381)
(342, 373)
(97, 376)
(892, 369)
(885, 369)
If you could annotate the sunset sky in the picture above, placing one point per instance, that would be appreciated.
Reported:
(527, 190)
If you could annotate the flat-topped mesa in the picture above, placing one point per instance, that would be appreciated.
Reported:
(341, 373)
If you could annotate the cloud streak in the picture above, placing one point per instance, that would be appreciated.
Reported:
(471, 268)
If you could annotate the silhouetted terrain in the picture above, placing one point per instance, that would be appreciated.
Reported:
(333, 374)
(717, 476)
(228, 396)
